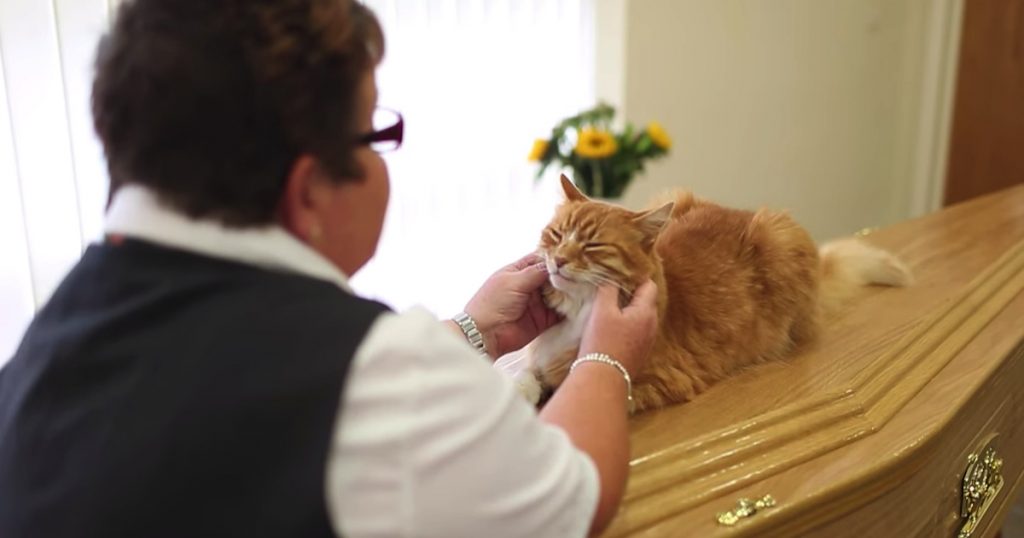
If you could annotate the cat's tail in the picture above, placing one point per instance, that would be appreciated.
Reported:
(848, 265)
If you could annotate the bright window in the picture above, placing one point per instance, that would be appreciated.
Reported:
(477, 81)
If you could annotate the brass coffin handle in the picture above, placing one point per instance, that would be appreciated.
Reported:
(981, 484)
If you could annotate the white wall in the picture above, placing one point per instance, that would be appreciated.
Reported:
(810, 105)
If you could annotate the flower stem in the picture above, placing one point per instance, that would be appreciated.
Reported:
(598, 180)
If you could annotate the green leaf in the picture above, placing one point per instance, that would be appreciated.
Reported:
(644, 144)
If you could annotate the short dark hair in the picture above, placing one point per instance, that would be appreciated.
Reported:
(209, 102)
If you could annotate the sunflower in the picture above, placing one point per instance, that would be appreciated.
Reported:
(596, 144)
(658, 135)
(540, 147)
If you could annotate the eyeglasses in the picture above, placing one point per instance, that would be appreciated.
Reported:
(388, 128)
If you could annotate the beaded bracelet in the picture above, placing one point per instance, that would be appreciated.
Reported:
(605, 359)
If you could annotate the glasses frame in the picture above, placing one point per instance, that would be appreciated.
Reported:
(394, 133)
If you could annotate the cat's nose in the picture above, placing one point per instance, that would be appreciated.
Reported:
(559, 261)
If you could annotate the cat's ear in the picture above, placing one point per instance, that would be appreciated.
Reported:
(572, 194)
(651, 222)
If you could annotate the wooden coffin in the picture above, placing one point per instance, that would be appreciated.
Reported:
(871, 432)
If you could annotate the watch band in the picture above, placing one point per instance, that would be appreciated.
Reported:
(469, 328)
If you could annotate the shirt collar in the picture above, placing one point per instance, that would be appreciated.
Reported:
(137, 213)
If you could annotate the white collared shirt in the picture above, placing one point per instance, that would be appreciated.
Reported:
(430, 439)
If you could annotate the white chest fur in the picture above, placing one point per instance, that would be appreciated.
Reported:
(550, 345)
(560, 338)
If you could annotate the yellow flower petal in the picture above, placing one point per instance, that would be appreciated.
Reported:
(540, 147)
(658, 135)
(596, 144)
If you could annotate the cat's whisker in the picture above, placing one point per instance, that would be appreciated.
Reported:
(598, 279)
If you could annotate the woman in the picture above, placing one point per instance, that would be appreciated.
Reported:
(206, 371)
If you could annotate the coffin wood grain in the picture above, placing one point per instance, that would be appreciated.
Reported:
(751, 435)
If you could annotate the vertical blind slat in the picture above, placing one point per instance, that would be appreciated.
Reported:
(16, 298)
(80, 24)
(52, 176)
(39, 120)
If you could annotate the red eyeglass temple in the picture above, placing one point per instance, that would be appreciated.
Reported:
(390, 134)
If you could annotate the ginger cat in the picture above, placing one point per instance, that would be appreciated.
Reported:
(734, 288)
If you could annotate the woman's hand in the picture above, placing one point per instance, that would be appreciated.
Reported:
(626, 334)
(509, 310)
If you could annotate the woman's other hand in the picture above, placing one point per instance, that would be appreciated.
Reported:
(509, 310)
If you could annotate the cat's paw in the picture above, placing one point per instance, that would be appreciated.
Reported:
(529, 386)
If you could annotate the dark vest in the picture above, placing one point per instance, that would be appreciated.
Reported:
(163, 393)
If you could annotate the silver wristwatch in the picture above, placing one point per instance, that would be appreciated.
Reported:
(469, 328)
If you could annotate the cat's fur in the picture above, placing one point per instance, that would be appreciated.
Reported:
(734, 287)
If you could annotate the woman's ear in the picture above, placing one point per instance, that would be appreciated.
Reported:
(300, 207)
